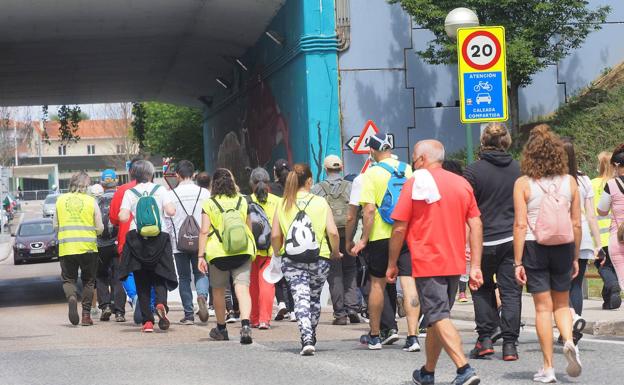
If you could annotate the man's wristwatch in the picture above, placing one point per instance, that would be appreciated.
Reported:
(517, 265)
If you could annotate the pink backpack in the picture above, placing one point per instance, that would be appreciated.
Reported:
(554, 225)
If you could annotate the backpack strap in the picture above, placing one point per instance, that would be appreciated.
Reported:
(324, 185)
(154, 189)
(238, 205)
(135, 192)
(218, 205)
(196, 200)
(182, 204)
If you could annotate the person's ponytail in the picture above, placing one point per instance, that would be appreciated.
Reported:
(262, 192)
(290, 190)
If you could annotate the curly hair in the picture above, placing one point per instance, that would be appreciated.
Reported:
(543, 154)
(223, 183)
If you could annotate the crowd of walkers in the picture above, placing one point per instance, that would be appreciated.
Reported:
(401, 238)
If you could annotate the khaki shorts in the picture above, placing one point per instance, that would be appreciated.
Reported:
(220, 279)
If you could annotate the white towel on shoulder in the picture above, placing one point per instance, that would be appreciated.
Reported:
(425, 187)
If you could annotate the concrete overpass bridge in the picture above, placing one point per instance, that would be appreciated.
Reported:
(265, 71)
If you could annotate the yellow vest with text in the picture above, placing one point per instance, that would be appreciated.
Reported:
(604, 223)
(76, 231)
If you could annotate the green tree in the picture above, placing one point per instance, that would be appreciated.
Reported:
(538, 33)
(138, 123)
(69, 119)
(174, 131)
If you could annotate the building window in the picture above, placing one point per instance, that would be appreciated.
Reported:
(91, 149)
(120, 149)
(62, 149)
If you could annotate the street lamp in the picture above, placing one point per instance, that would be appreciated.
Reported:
(462, 18)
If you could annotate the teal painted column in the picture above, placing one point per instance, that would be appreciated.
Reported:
(320, 46)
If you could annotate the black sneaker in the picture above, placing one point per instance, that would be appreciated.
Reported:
(615, 301)
(231, 317)
(510, 352)
(482, 349)
(498, 333)
(203, 308)
(245, 335)
(389, 336)
(340, 321)
(576, 337)
(354, 318)
(187, 321)
(106, 314)
(120, 317)
(74, 318)
(219, 335)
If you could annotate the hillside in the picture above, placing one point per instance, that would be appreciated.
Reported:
(594, 118)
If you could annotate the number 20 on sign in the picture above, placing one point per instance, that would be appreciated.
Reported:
(482, 74)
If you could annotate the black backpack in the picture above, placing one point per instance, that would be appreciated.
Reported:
(104, 202)
(260, 224)
(187, 239)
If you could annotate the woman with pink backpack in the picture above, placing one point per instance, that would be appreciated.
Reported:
(547, 236)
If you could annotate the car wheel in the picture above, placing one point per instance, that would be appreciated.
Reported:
(17, 261)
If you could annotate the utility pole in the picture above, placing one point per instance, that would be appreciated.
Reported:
(15, 140)
(39, 139)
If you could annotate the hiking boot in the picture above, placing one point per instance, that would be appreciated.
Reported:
(354, 318)
(418, 378)
(510, 352)
(219, 335)
(307, 349)
(203, 308)
(245, 335)
(187, 321)
(163, 321)
(120, 317)
(468, 378)
(148, 327)
(400, 307)
(411, 344)
(86, 318)
(389, 336)
(106, 314)
(281, 312)
(74, 318)
(483, 348)
(374, 343)
(340, 321)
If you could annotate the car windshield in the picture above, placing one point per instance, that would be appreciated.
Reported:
(34, 229)
(50, 200)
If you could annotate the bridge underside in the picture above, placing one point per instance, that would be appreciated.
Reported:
(56, 52)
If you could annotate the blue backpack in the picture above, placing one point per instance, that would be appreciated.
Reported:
(395, 185)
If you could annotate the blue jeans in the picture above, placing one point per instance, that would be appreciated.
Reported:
(184, 264)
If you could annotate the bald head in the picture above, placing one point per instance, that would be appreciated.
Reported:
(428, 153)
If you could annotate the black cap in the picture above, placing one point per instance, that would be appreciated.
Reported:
(380, 142)
(281, 164)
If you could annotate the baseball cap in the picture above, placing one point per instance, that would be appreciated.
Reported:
(332, 162)
(380, 142)
(108, 178)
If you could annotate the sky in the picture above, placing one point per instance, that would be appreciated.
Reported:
(95, 111)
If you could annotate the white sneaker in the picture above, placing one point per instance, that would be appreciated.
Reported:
(578, 323)
(308, 350)
(573, 357)
(545, 376)
(211, 312)
(292, 317)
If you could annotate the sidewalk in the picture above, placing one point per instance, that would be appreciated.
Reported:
(5, 246)
(599, 322)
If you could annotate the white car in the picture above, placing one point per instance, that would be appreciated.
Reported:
(484, 98)
(49, 205)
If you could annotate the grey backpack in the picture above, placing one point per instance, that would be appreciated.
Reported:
(187, 239)
(337, 196)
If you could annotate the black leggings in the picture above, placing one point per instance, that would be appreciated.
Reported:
(144, 280)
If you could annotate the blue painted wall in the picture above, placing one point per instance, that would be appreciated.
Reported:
(286, 105)
(384, 79)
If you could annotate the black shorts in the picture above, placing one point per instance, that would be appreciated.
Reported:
(548, 267)
(376, 255)
(437, 295)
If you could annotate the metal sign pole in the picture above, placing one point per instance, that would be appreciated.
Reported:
(469, 145)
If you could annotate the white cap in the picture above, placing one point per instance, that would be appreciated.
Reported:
(273, 272)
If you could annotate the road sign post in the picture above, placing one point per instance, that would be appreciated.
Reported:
(482, 78)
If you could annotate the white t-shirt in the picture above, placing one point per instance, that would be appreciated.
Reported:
(188, 192)
(356, 190)
(585, 192)
(130, 200)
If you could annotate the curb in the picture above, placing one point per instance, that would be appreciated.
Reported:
(595, 328)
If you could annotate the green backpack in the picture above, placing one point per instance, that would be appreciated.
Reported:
(147, 216)
(233, 232)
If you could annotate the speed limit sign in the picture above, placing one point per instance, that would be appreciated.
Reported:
(482, 74)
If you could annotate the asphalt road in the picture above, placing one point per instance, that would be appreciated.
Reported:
(39, 346)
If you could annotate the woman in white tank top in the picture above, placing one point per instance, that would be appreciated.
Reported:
(547, 270)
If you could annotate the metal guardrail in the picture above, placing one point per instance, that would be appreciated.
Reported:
(34, 195)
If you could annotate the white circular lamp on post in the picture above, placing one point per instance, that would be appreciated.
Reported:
(462, 18)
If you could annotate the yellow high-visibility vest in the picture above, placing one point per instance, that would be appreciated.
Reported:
(604, 223)
(76, 232)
